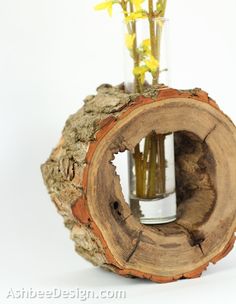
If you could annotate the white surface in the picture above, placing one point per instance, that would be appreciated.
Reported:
(52, 54)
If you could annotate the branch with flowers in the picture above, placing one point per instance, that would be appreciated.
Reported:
(145, 56)
(149, 163)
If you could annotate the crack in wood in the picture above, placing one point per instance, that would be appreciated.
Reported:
(125, 218)
(207, 135)
(200, 247)
(135, 246)
(195, 237)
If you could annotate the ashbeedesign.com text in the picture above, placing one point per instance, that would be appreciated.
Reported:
(57, 293)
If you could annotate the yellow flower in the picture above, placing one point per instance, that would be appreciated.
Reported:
(144, 50)
(152, 64)
(105, 5)
(146, 43)
(129, 41)
(136, 15)
(137, 4)
(140, 72)
(146, 47)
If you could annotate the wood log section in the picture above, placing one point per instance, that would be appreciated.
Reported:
(83, 183)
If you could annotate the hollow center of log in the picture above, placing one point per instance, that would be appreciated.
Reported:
(196, 195)
(195, 174)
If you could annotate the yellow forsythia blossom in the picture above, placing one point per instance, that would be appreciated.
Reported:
(146, 47)
(146, 43)
(136, 15)
(105, 5)
(129, 40)
(140, 72)
(137, 4)
(152, 64)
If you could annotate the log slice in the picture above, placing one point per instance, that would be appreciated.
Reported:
(83, 183)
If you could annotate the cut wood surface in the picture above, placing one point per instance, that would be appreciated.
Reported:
(84, 185)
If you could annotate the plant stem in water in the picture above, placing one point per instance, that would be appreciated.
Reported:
(145, 167)
(149, 165)
(137, 83)
(151, 191)
(161, 163)
(138, 170)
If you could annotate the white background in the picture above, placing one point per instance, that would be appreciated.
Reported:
(52, 54)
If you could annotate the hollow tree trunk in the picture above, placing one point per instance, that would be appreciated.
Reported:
(85, 188)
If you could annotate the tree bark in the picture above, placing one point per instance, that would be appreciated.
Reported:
(86, 190)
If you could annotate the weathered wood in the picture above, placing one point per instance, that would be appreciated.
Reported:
(85, 188)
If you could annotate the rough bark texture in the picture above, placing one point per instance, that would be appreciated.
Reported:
(85, 188)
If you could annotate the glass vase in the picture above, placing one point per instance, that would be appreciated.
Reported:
(151, 166)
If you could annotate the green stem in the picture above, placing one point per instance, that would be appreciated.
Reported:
(152, 37)
(138, 89)
(131, 28)
(158, 44)
(138, 170)
(164, 8)
(156, 181)
(125, 12)
(151, 193)
(145, 163)
(158, 38)
(161, 163)
(161, 178)
(138, 85)
(150, 180)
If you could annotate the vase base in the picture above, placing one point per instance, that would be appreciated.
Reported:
(152, 221)
(155, 211)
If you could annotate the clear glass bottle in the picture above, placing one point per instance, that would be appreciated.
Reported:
(152, 193)
(153, 200)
